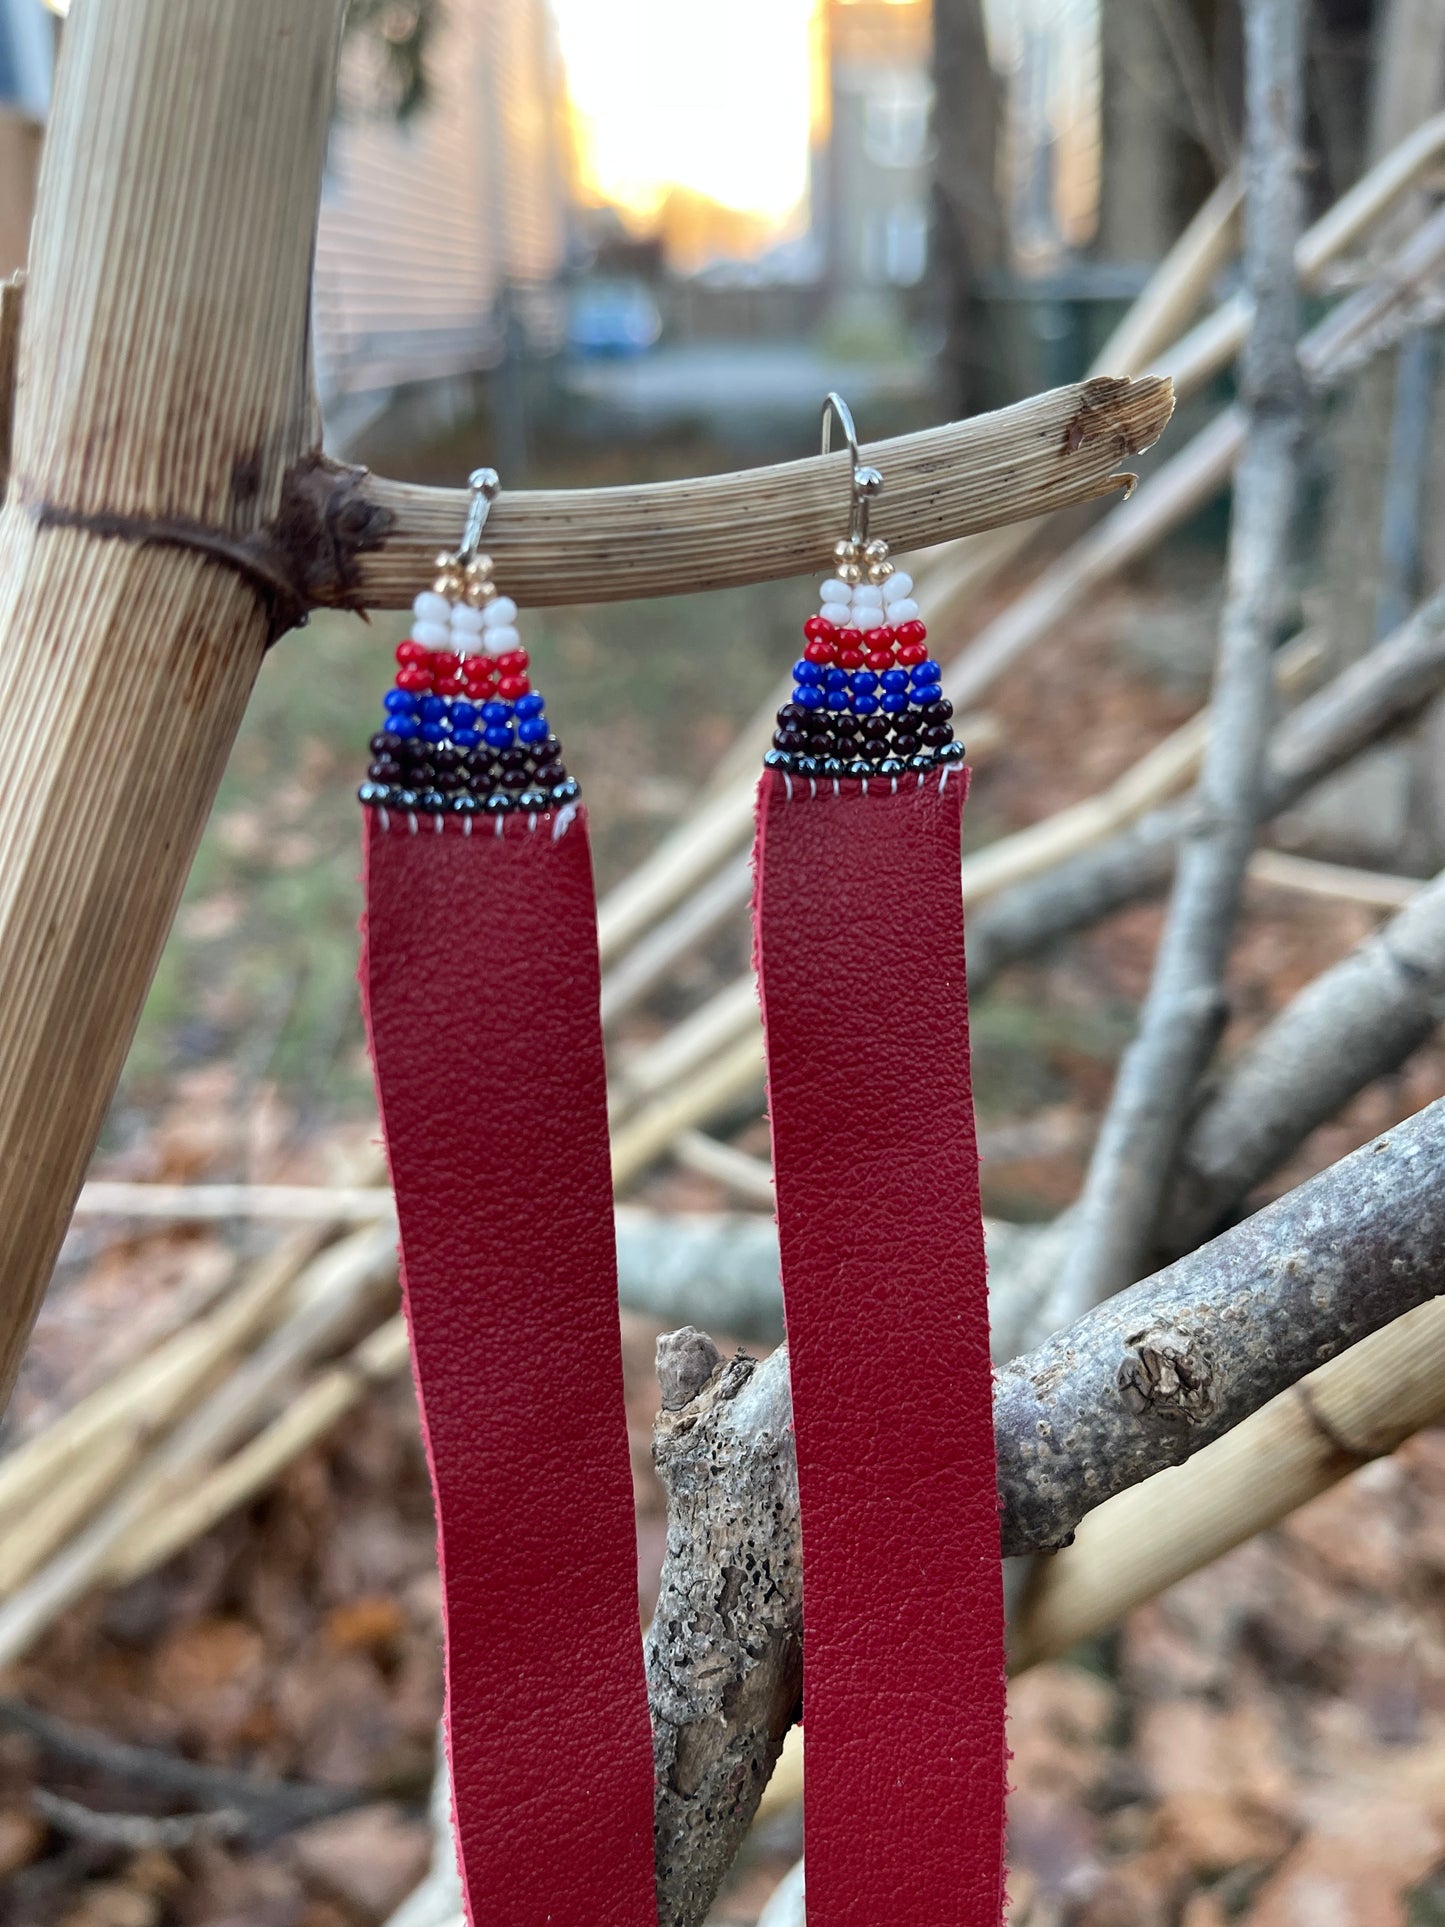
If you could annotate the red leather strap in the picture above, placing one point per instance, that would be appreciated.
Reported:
(860, 959)
(479, 975)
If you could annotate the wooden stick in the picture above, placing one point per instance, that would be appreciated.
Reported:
(1185, 1010)
(751, 1178)
(1359, 1407)
(162, 378)
(1340, 881)
(211, 1203)
(728, 1078)
(712, 531)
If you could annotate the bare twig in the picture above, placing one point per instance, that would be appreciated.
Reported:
(1354, 1023)
(1364, 702)
(268, 1806)
(136, 1832)
(1185, 1009)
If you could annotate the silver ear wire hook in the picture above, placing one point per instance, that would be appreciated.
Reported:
(485, 484)
(866, 481)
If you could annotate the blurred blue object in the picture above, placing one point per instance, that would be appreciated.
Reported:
(612, 318)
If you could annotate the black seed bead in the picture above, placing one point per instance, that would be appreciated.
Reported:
(939, 712)
(806, 766)
(550, 773)
(420, 775)
(384, 743)
(953, 752)
(874, 749)
(374, 794)
(923, 760)
(498, 803)
(515, 763)
(791, 714)
(567, 791)
(479, 764)
(892, 766)
(463, 804)
(935, 735)
(905, 743)
(445, 759)
(384, 769)
(549, 750)
(790, 740)
(859, 768)
(777, 759)
(404, 799)
(833, 766)
(875, 729)
(450, 781)
(533, 799)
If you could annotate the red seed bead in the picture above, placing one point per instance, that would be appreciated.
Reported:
(447, 686)
(820, 629)
(910, 653)
(879, 659)
(850, 638)
(513, 662)
(413, 677)
(912, 632)
(410, 652)
(444, 662)
(479, 673)
(510, 687)
(850, 658)
(820, 649)
(881, 638)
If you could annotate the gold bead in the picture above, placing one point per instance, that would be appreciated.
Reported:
(845, 551)
(480, 592)
(850, 573)
(479, 568)
(879, 571)
(877, 550)
(445, 560)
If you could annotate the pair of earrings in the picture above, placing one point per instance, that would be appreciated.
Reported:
(501, 1169)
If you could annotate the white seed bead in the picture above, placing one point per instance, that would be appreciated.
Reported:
(466, 621)
(838, 612)
(499, 637)
(435, 635)
(501, 613)
(834, 591)
(431, 607)
(867, 596)
(897, 588)
(904, 610)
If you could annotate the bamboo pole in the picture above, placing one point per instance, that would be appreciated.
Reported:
(162, 378)
(1339, 881)
(707, 532)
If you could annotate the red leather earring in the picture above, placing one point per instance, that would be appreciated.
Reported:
(859, 937)
(480, 984)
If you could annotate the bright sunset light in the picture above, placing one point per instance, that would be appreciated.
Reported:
(671, 95)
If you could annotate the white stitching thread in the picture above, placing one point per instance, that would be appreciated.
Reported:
(566, 817)
(385, 819)
(411, 822)
(788, 785)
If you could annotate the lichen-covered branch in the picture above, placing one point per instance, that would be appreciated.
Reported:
(1139, 1384)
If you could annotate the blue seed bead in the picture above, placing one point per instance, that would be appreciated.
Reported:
(466, 738)
(863, 682)
(433, 732)
(433, 708)
(497, 735)
(464, 715)
(530, 705)
(532, 729)
(929, 671)
(893, 701)
(838, 699)
(806, 672)
(401, 699)
(894, 679)
(496, 712)
(836, 679)
(927, 692)
(865, 704)
(807, 697)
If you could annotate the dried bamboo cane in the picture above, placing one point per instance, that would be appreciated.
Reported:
(1339, 881)
(163, 378)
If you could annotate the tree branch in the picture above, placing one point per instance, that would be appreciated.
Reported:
(1141, 1383)
(1185, 1010)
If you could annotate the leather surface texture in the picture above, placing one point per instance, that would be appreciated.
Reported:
(859, 929)
(480, 980)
